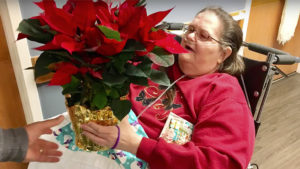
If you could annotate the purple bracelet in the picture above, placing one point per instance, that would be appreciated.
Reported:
(118, 138)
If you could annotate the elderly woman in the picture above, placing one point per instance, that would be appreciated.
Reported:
(209, 96)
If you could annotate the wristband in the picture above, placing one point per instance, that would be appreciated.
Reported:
(118, 138)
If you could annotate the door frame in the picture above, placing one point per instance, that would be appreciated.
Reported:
(11, 16)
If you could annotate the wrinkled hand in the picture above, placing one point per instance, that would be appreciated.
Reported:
(38, 149)
(107, 135)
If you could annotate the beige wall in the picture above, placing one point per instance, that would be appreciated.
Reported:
(264, 21)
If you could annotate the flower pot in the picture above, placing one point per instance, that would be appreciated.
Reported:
(81, 115)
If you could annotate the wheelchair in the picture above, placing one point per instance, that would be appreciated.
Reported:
(257, 78)
(258, 75)
(256, 81)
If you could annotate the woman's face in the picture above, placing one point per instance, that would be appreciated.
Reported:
(202, 40)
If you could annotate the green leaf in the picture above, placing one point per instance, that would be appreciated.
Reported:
(110, 33)
(112, 93)
(139, 81)
(141, 3)
(160, 77)
(100, 100)
(74, 99)
(161, 57)
(143, 69)
(97, 87)
(48, 29)
(145, 66)
(123, 88)
(42, 63)
(135, 71)
(112, 79)
(133, 45)
(120, 60)
(61, 55)
(71, 87)
(35, 31)
(153, 29)
(47, 58)
(120, 108)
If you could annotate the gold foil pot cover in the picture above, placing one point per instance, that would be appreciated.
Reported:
(81, 115)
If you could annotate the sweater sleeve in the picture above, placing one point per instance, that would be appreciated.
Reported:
(223, 139)
(13, 144)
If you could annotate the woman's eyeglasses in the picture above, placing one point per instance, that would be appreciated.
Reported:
(201, 35)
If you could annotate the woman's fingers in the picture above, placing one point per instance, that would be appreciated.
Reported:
(95, 138)
(87, 127)
(108, 136)
(95, 127)
(102, 135)
(99, 130)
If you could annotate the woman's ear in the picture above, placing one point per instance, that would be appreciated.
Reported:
(226, 53)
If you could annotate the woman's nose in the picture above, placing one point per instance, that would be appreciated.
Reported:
(191, 36)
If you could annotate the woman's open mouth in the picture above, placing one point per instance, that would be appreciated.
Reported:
(187, 47)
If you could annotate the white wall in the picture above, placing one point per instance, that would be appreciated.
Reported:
(185, 10)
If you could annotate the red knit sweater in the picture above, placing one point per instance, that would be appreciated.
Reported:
(223, 135)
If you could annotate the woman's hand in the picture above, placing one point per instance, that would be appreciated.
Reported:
(107, 135)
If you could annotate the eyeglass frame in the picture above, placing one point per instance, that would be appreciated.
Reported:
(185, 30)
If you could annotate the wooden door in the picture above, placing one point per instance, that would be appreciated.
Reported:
(264, 21)
(11, 110)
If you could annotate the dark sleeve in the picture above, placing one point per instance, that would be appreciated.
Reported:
(13, 144)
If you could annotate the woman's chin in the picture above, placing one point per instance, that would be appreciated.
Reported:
(183, 68)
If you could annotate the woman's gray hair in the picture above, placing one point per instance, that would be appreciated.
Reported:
(231, 36)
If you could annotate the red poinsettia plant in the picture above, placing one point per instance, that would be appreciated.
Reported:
(96, 49)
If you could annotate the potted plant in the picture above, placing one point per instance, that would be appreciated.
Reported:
(95, 50)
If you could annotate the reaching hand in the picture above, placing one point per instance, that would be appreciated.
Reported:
(38, 149)
(108, 135)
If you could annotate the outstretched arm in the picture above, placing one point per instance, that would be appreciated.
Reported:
(24, 144)
(13, 144)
